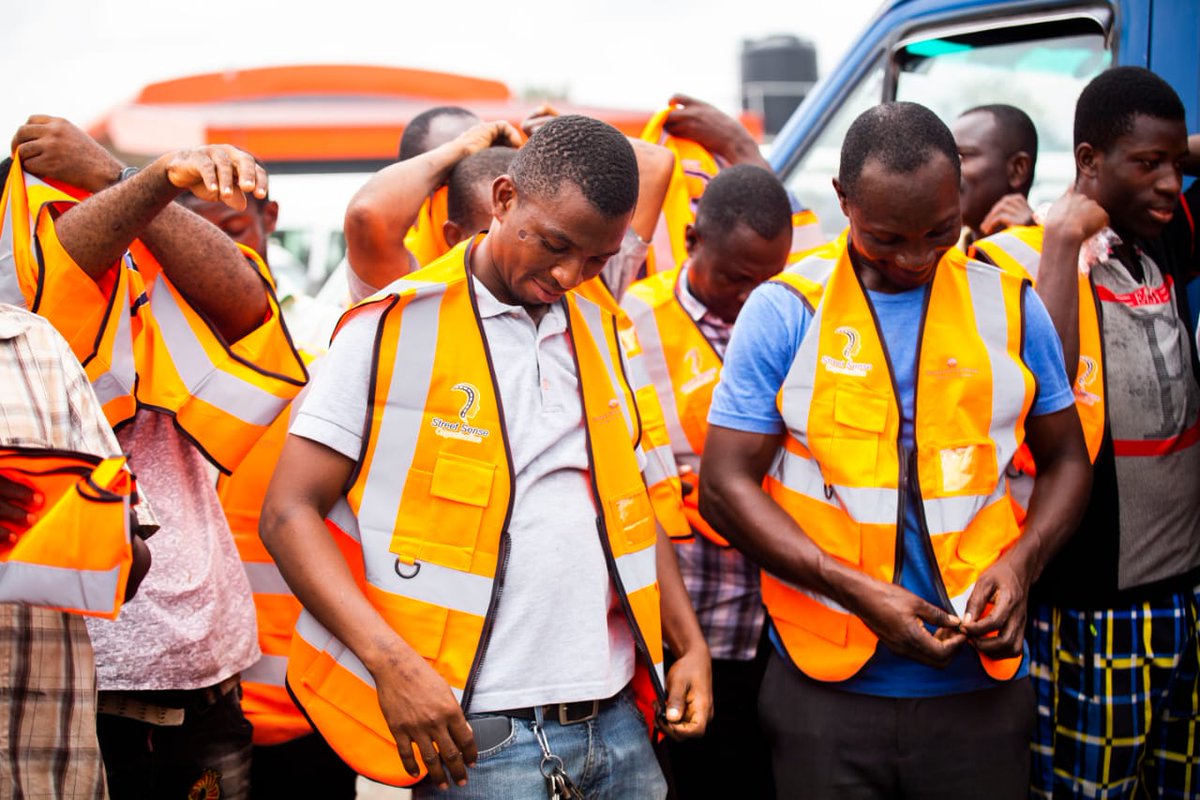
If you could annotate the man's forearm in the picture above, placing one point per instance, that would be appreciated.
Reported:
(655, 166)
(209, 270)
(97, 232)
(681, 629)
(1058, 288)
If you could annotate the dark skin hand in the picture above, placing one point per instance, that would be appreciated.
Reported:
(416, 701)
(203, 264)
(1010, 210)
(734, 503)
(716, 131)
(689, 704)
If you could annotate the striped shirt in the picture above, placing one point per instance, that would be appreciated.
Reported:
(48, 746)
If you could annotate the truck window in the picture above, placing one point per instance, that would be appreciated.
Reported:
(811, 177)
(1039, 68)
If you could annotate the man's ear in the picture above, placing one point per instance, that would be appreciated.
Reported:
(1019, 169)
(841, 196)
(270, 216)
(1087, 160)
(691, 238)
(452, 233)
(504, 197)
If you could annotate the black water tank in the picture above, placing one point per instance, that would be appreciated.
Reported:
(777, 73)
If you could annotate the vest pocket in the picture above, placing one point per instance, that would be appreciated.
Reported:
(442, 512)
(860, 419)
(963, 468)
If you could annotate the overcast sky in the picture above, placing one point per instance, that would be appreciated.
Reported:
(78, 58)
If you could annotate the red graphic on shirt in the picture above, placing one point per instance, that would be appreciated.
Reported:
(1141, 296)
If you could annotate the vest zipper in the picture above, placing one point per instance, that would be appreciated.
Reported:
(926, 541)
(489, 622)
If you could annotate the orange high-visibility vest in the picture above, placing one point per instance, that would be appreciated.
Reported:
(77, 555)
(1019, 250)
(841, 472)
(424, 518)
(265, 700)
(426, 239)
(661, 473)
(684, 369)
(694, 167)
(140, 342)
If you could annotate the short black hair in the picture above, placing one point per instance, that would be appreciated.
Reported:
(589, 153)
(470, 176)
(902, 137)
(414, 140)
(1016, 128)
(744, 195)
(1107, 105)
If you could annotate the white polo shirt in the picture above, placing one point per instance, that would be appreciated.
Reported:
(560, 634)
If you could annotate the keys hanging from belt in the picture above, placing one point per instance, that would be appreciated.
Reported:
(559, 783)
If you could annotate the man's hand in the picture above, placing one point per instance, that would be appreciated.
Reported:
(52, 147)
(689, 695)
(995, 617)
(1012, 209)
(488, 134)
(422, 713)
(898, 617)
(19, 505)
(216, 172)
(1075, 217)
(713, 129)
(537, 118)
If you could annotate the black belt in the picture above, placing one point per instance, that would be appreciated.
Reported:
(564, 713)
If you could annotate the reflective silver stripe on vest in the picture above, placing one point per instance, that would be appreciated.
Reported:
(798, 385)
(60, 587)
(660, 465)
(817, 597)
(435, 584)
(952, 514)
(318, 638)
(657, 371)
(1018, 250)
(265, 578)
(959, 603)
(343, 517)
(593, 316)
(401, 424)
(10, 287)
(805, 237)
(865, 505)
(268, 670)
(234, 396)
(1021, 489)
(639, 569)
(1008, 379)
(121, 376)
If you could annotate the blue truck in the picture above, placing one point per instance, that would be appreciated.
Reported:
(951, 55)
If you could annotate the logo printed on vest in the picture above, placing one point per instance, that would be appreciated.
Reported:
(1088, 370)
(699, 379)
(847, 366)
(463, 429)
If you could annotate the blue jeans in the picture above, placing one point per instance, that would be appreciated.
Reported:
(609, 758)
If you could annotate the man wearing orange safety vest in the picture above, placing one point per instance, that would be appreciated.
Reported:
(881, 387)
(466, 167)
(51, 424)
(193, 363)
(460, 508)
(704, 141)
(1112, 264)
(289, 758)
(683, 318)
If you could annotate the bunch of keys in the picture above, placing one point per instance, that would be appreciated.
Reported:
(560, 785)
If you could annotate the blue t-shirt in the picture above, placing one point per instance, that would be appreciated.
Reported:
(765, 340)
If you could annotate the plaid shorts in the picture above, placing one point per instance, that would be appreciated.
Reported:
(1118, 698)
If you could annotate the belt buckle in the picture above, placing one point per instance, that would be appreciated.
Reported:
(563, 718)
